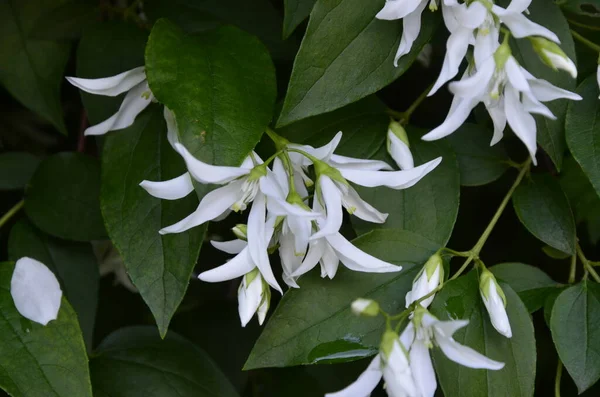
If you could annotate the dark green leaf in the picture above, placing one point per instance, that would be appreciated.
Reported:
(550, 133)
(296, 11)
(160, 266)
(346, 54)
(63, 197)
(544, 210)
(554, 253)
(32, 70)
(314, 324)
(429, 208)
(107, 49)
(583, 130)
(74, 265)
(460, 299)
(39, 360)
(531, 284)
(479, 162)
(136, 362)
(549, 304)
(65, 21)
(16, 169)
(575, 326)
(589, 8)
(222, 93)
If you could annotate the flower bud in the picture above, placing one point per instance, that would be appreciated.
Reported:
(398, 146)
(495, 302)
(254, 296)
(428, 279)
(552, 55)
(365, 307)
(399, 380)
(241, 231)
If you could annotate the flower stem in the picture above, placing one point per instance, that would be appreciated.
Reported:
(11, 212)
(279, 141)
(573, 269)
(559, 369)
(586, 264)
(582, 25)
(404, 117)
(590, 44)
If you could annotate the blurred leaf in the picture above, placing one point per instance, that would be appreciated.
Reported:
(220, 116)
(39, 360)
(65, 22)
(460, 299)
(346, 54)
(16, 169)
(63, 197)
(136, 362)
(74, 265)
(479, 162)
(576, 332)
(583, 130)
(531, 284)
(554, 253)
(314, 324)
(32, 70)
(295, 12)
(590, 8)
(550, 133)
(544, 210)
(160, 266)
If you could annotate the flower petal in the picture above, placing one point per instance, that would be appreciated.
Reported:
(366, 382)
(357, 260)
(35, 291)
(361, 209)
(207, 173)
(233, 247)
(313, 256)
(393, 179)
(397, 9)
(234, 268)
(249, 298)
(400, 152)
(494, 305)
(280, 175)
(456, 49)
(338, 161)
(332, 197)
(520, 26)
(110, 86)
(498, 116)
(545, 91)
(422, 369)
(476, 84)
(456, 117)
(322, 153)
(410, 30)
(521, 122)
(172, 131)
(466, 356)
(173, 189)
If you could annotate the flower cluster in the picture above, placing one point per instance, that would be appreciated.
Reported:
(493, 77)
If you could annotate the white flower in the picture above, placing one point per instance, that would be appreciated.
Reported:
(391, 363)
(254, 297)
(422, 333)
(365, 307)
(35, 291)
(137, 99)
(426, 281)
(495, 302)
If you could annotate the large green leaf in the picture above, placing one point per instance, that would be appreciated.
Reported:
(31, 69)
(160, 266)
(136, 362)
(479, 162)
(220, 85)
(575, 326)
(544, 210)
(66, 21)
(16, 169)
(37, 360)
(314, 324)
(550, 133)
(346, 54)
(74, 264)
(295, 12)
(583, 130)
(63, 197)
(429, 208)
(531, 283)
(460, 299)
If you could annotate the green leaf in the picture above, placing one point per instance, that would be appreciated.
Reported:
(160, 266)
(554, 253)
(222, 93)
(460, 299)
(314, 324)
(575, 326)
(66, 21)
(550, 133)
(136, 362)
(39, 360)
(549, 304)
(107, 49)
(32, 70)
(346, 54)
(479, 162)
(16, 169)
(531, 284)
(588, 8)
(295, 12)
(544, 210)
(63, 197)
(429, 208)
(583, 130)
(74, 265)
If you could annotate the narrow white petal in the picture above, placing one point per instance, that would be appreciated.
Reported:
(322, 153)
(397, 9)
(476, 84)
(270, 186)
(207, 173)
(338, 161)
(280, 175)
(486, 43)
(313, 256)
(361, 209)
(329, 261)
(366, 382)
(357, 260)
(466, 356)
(400, 152)
(172, 132)
(515, 75)
(545, 91)
(290, 262)
(173, 189)
(521, 122)
(301, 228)
(454, 120)
(446, 328)
(136, 100)
(234, 268)
(332, 197)
(498, 116)
(407, 337)
(35, 291)
(233, 247)
(456, 49)
(518, 6)
(422, 369)
(520, 26)
(410, 30)
(110, 86)
(532, 105)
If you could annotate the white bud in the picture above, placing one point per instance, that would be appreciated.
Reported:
(365, 307)
(495, 302)
(428, 279)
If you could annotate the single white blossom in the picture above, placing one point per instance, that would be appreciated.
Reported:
(428, 279)
(35, 291)
(495, 302)
(137, 99)
(254, 297)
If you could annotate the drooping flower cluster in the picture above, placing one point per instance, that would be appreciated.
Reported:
(493, 77)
